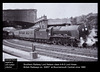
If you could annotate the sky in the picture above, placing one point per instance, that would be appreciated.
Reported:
(56, 10)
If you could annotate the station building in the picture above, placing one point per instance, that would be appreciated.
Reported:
(19, 17)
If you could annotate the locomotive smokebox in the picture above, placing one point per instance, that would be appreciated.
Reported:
(20, 15)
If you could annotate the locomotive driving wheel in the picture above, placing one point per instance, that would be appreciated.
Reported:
(65, 44)
(54, 41)
(71, 44)
(59, 42)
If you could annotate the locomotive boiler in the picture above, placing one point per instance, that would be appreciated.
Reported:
(61, 35)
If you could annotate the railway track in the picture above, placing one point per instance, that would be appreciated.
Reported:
(58, 53)
(80, 51)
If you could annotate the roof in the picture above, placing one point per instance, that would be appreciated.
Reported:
(20, 10)
(73, 27)
(29, 29)
(58, 21)
(42, 29)
(57, 28)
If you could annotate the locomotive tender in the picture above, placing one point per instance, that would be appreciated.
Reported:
(62, 35)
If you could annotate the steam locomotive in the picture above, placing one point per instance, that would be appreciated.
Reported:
(61, 35)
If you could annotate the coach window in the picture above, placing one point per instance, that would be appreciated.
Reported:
(19, 32)
(26, 32)
(23, 32)
(31, 32)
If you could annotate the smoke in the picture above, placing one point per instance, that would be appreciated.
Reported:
(90, 41)
(90, 38)
(92, 33)
(81, 42)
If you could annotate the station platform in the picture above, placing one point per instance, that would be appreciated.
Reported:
(40, 57)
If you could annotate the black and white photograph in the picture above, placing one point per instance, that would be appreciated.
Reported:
(65, 32)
